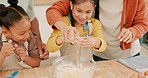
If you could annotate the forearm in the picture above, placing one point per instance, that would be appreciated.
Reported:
(140, 22)
(54, 43)
(60, 25)
(35, 28)
(33, 62)
(56, 11)
(59, 40)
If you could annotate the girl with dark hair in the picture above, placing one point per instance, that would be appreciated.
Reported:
(123, 23)
(89, 29)
(28, 6)
(18, 45)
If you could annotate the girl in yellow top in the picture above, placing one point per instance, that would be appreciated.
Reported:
(89, 28)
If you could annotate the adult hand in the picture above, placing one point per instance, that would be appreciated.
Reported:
(89, 42)
(125, 35)
(7, 48)
(44, 54)
(70, 34)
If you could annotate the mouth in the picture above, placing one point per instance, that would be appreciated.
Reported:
(81, 20)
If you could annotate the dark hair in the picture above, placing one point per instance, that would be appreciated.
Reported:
(9, 16)
(13, 3)
(12, 14)
(95, 2)
(81, 1)
(97, 11)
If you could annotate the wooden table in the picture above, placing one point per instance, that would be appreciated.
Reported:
(105, 69)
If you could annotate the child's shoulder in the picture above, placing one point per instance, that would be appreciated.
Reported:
(95, 21)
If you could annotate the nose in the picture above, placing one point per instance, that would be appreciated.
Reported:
(83, 16)
(26, 36)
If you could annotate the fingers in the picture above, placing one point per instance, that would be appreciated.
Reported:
(45, 54)
(86, 42)
(125, 35)
(70, 34)
(76, 32)
(19, 50)
(7, 48)
(64, 33)
(21, 53)
(40, 49)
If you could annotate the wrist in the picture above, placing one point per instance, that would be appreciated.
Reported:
(24, 58)
(59, 40)
(60, 25)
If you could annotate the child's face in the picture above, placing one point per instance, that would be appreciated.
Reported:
(20, 31)
(82, 12)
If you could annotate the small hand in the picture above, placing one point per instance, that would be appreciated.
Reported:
(89, 42)
(21, 53)
(125, 35)
(7, 48)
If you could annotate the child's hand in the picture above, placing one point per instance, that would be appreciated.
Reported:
(7, 48)
(21, 53)
(89, 42)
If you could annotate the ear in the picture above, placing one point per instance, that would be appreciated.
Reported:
(4, 30)
(71, 6)
(95, 6)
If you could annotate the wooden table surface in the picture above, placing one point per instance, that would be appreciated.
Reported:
(105, 69)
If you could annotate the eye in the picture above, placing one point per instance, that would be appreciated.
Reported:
(79, 10)
(88, 12)
(22, 33)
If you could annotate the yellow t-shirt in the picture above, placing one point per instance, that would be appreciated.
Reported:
(96, 32)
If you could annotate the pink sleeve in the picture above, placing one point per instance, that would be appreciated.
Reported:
(57, 10)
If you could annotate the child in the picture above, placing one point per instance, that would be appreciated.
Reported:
(89, 28)
(18, 45)
(123, 23)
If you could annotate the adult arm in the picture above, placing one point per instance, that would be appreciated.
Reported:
(56, 11)
(35, 28)
(136, 28)
(140, 23)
